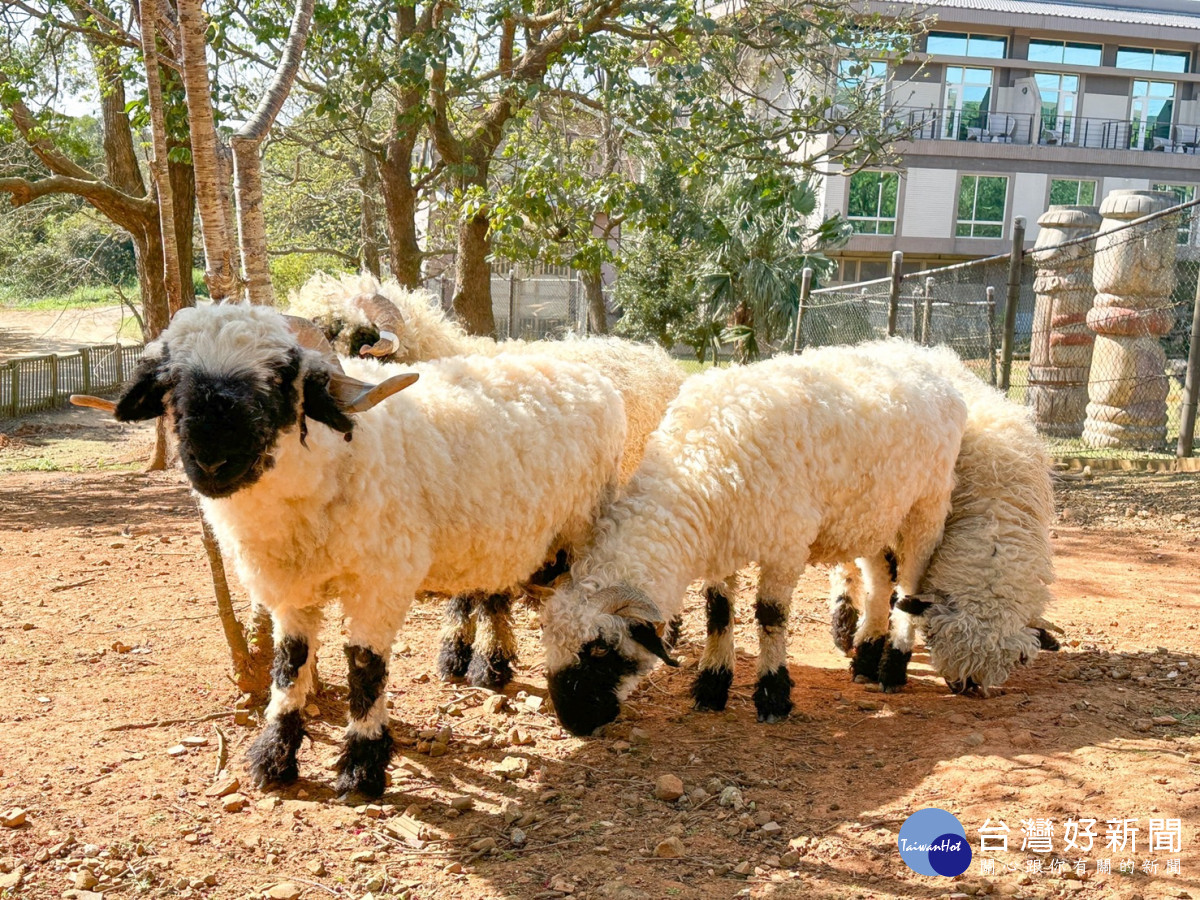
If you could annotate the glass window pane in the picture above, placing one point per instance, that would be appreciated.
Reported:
(1082, 54)
(986, 47)
(1170, 61)
(989, 207)
(962, 230)
(887, 227)
(1063, 192)
(1047, 82)
(947, 44)
(1131, 58)
(887, 195)
(1046, 51)
(1087, 193)
(994, 231)
(864, 193)
(966, 197)
(1070, 83)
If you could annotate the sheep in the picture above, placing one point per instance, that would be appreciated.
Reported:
(465, 483)
(361, 315)
(981, 601)
(836, 454)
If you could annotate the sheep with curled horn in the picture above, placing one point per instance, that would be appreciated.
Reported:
(465, 483)
(362, 316)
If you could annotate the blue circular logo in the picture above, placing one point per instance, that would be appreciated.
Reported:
(933, 842)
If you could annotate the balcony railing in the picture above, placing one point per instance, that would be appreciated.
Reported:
(925, 123)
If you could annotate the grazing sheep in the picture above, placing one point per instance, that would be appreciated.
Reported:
(837, 454)
(465, 483)
(981, 600)
(361, 315)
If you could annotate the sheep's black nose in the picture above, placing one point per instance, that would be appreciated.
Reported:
(212, 467)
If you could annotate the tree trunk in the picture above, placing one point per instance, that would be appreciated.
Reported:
(369, 219)
(252, 224)
(473, 277)
(400, 212)
(593, 289)
(183, 190)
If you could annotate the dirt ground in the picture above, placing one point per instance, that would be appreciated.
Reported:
(106, 626)
(25, 332)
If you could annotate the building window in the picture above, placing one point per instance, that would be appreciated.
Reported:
(968, 98)
(866, 77)
(1151, 110)
(985, 46)
(1152, 60)
(872, 205)
(1072, 192)
(1065, 52)
(1185, 193)
(981, 202)
(1059, 95)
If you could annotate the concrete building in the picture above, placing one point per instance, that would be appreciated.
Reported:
(1012, 105)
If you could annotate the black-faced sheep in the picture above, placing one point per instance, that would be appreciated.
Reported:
(837, 454)
(465, 483)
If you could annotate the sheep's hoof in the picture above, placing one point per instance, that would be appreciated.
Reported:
(893, 669)
(454, 657)
(867, 657)
(967, 686)
(1046, 640)
(844, 624)
(493, 671)
(710, 690)
(773, 695)
(272, 756)
(671, 638)
(362, 767)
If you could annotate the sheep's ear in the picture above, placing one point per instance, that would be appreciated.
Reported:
(917, 604)
(648, 637)
(320, 404)
(143, 396)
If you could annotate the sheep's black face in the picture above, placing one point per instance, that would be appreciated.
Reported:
(228, 425)
(586, 695)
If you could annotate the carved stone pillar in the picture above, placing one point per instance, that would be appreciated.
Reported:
(1061, 350)
(1134, 275)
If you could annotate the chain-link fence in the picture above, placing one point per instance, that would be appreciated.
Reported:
(539, 300)
(1092, 327)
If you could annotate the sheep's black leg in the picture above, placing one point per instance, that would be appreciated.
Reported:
(362, 767)
(1046, 640)
(711, 687)
(458, 634)
(773, 693)
(495, 644)
(272, 756)
(844, 623)
(873, 625)
(671, 638)
(897, 652)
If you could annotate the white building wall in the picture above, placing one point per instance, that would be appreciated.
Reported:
(929, 202)
(1029, 200)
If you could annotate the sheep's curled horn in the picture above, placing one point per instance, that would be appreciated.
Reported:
(646, 622)
(384, 315)
(350, 394)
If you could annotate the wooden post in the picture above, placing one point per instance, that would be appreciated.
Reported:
(85, 364)
(1010, 303)
(894, 294)
(991, 317)
(806, 277)
(53, 380)
(1191, 385)
(512, 302)
(16, 387)
(120, 366)
(927, 315)
(916, 317)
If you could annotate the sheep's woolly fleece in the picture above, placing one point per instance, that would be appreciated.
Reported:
(462, 482)
(646, 376)
(994, 564)
(786, 462)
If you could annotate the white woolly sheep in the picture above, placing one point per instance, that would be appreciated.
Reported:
(986, 587)
(360, 315)
(836, 454)
(467, 482)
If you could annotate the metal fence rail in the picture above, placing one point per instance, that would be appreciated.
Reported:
(33, 383)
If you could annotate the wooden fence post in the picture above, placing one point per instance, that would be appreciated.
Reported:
(53, 380)
(927, 316)
(120, 366)
(991, 317)
(16, 387)
(512, 301)
(894, 293)
(1010, 304)
(85, 363)
(806, 277)
(1191, 385)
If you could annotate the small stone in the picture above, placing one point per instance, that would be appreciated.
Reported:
(668, 788)
(974, 739)
(363, 856)
(454, 868)
(177, 750)
(1142, 724)
(639, 735)
(12, 880)
(533, 703)
(462, 804)
(731, 797)
(269, 804)
(620, 746)
(495, 704)
(519, 737)
(375, 883)
(512, 767)
(285, 890)
(483, 845)
(437, 749)
(241, 717)
(85, 880)
(511, 811)
(194, 741)
(12, 818)
(118, 647)
(867, 705)
(235, 803)
(742, 868)
(223, 787)
(789, 859)
(1165, 720)
(669, 849)
(316, 867)
(312, 711)
(772, 828)
(518, 837)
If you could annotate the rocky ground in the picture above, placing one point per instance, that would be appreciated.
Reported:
(122, 738)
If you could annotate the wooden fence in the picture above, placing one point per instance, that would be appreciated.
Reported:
(32, 383)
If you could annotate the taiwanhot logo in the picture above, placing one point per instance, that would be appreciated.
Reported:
(933, 842)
